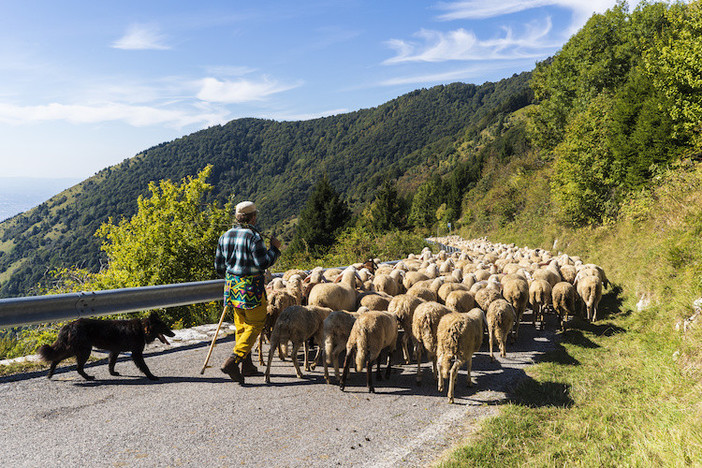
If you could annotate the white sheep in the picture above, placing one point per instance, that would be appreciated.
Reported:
(371, 334)
(336, 296)
(459, 336)
(403, 306)
(424, 324)
(516, 292)
(460, 301)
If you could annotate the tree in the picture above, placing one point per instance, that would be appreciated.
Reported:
(386, 212)
(426, 200)
(324, 216)
(171, 239)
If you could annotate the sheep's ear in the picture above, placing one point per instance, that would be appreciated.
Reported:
(338, 278)
(307, 280)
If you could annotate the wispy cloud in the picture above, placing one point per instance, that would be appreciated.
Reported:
(479, 9)
(142, 37)
(242, 90)
(461, 44)
(137, 116)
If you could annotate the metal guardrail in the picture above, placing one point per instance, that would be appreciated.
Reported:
(21, 311)
(53, 308)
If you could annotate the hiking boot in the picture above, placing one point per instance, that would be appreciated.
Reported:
(231, 368)
(248, 369)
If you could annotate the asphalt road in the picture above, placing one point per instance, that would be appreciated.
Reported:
(189, 419)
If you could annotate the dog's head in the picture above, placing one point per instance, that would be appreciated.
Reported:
(155, 328)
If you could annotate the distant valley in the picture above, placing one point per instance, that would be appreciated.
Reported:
(19, 194)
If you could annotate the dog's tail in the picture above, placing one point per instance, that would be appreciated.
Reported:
(51, 353)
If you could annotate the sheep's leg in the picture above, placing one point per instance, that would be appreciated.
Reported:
(378, 374)
(369, 373)
(433, 366)
(441, 381)
(594, 312)
(319, 339)
(295, 349)
(491, 336)
(306, 350)
(326, 370)
(260, 349)
(344, 376)
(418, 356)
(470, 367)
(271, 351)
(388, 369)
(534, 314)
(405, 348)
(503, 344)
(453, 373)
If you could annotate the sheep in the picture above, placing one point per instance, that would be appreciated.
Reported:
(297, 324)
(372, 333)
(447, 288)
(516, 292)
(482, 275)
(337, 328)
(374, 301)
(500, 319)
(600, 272)
(278, 301)
(403, 306)
(276, 283)
(412, 277)
(424, 323)
(469, 279)
(332, 273)
(459, 336)
(385, 283)
(289, 273)
(589, 289)
(423, 292)
(336, 296)
(460, 301)
(563, 298)
(485, 296)
(548, 275)
(540, 298)
(295, 286)
(568, 272)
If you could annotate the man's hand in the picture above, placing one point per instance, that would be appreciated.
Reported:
(275, 243)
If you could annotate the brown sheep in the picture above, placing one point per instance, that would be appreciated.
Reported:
(412, 277)
(297, 324)
(500, 320)
(424, 324)
(422, 292)
(459, 336)
(337, 328)
(563, 298)
(372, 333)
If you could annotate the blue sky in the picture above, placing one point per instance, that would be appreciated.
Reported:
(85, 85)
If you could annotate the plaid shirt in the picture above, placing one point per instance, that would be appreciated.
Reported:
(241, 252)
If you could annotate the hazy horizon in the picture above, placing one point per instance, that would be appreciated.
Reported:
(19, 194)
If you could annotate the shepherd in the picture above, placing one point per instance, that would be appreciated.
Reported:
(242, 257)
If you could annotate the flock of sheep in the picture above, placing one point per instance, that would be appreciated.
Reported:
(442, 303)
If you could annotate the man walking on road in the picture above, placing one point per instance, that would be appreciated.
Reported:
(243, 258)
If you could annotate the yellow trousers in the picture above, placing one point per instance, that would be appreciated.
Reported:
(248, 324)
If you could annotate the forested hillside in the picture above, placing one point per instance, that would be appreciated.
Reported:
(274, 163)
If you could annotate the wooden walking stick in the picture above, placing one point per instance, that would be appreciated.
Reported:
(214, 341)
